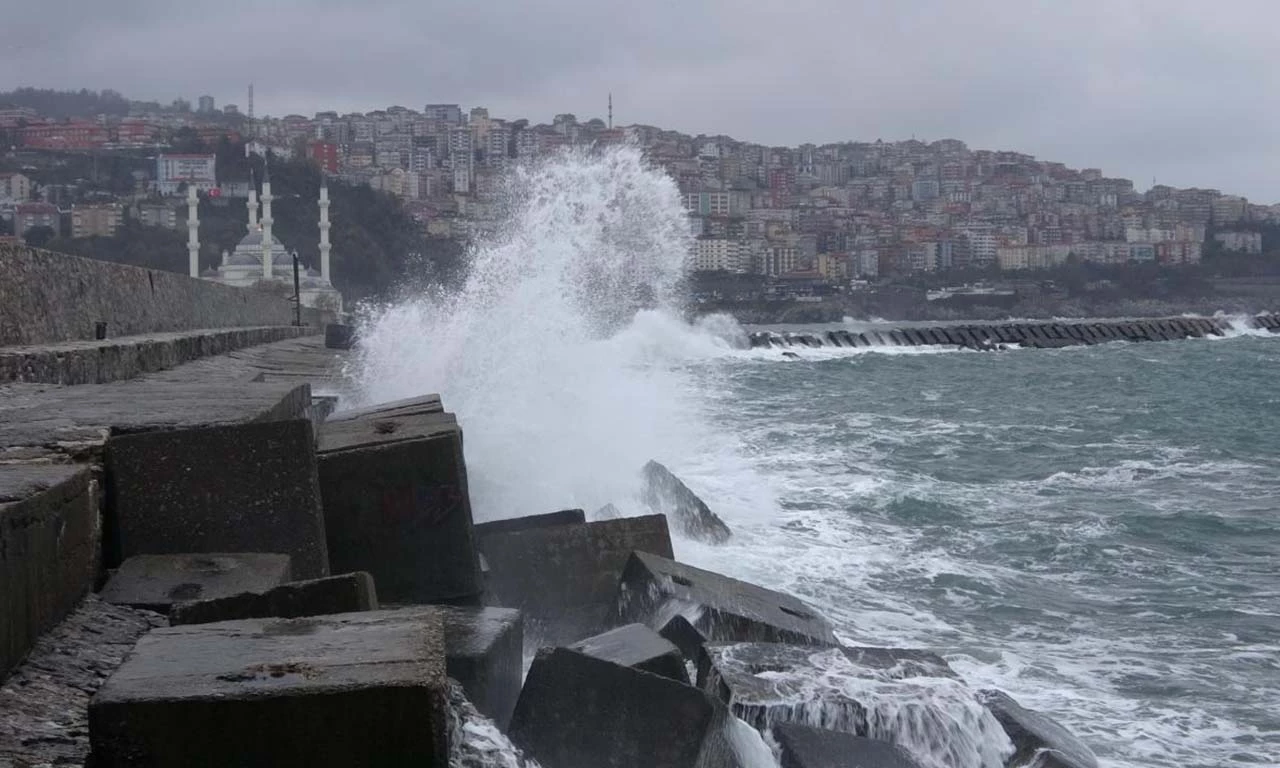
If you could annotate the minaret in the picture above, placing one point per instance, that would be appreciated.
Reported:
(252, 204)
(324, 229)
(266, 223)
(193, 230)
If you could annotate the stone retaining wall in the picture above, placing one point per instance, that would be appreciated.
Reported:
(48, 297)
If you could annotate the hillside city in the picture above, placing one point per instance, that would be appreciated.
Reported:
(831, 214)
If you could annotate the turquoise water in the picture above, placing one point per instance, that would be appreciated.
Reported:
(1094, 529)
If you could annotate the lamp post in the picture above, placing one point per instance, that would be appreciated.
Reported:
(297, 293)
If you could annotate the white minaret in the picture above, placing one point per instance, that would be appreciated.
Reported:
(266, 224)
(324, 230)
(252, 205)
(193, 230)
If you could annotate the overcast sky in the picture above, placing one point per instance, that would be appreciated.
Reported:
(1185, 91)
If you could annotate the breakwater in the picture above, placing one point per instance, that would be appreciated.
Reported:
(1036, 335)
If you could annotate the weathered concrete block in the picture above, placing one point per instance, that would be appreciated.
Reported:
(337, 336)
(805, 747)
(576, 710)
(396, 504)
(1038, 739)
(683, 635)
(347, 593)
(241, 488)
(157, 582)
(48, 551)
(635, 645)
(908, 697)
(663, 492)
(410, 406)
(550, 519)
(485, 653)
(355, 689)
(653, 589)
(565, 578)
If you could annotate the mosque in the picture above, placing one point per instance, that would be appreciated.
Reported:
(259, 256)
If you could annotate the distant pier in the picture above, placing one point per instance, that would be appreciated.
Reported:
(1023, 334)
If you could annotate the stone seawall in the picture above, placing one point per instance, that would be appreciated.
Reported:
(1037, 335)
(48, 297)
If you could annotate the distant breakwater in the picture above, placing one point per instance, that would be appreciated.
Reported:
(988, 337)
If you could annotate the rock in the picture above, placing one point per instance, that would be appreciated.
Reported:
(44, 703)
(1040, 741)
(315, 597)
(635, 645)
(157, 582)
(805, 747)
(356, 689)
(396, 504)
(564, 578)
(48, 551)
(907, 697)
(654, 589)
(577, 711)
(664, 492)
(242, 488)
(485, 654)
(563, 517)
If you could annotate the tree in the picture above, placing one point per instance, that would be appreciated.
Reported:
(39, 237)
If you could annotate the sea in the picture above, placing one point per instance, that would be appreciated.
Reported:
(1093, 530)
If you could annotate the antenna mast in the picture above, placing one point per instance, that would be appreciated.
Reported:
(611, 110)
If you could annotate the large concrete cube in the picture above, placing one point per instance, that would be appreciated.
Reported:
(576, 711)
(635, 645)
(396, 505)
(353, 689)
(1037, 738)
(409, 406)
(48, 551)
(654, 589)
(157, 582)
(485, 653)
(241, 488)
(347, 593)
(805, 747)
(564, 578)
(908, 697)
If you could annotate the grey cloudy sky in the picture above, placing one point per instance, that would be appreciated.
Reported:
(1181, 90)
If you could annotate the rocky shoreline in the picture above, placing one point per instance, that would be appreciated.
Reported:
(260, 581)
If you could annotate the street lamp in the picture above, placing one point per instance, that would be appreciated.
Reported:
(297, 292)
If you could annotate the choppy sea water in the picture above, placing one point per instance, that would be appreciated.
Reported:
(1095, 530)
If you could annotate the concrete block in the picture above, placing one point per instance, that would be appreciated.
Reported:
(550, 519)
(683, 635)
(338, 336)
(241, 488)
(410, 406)
(48, 551)
(354, 689)
(663, 492)
(396, 504)
(1038, 739)
(565, 578)
(485, 653)
(914, 337)
(576, 710)
(805, 747)
(635, 645)
(158, 582)
(910, 698)
(347, 593)
(897, 338)
(653, 589)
